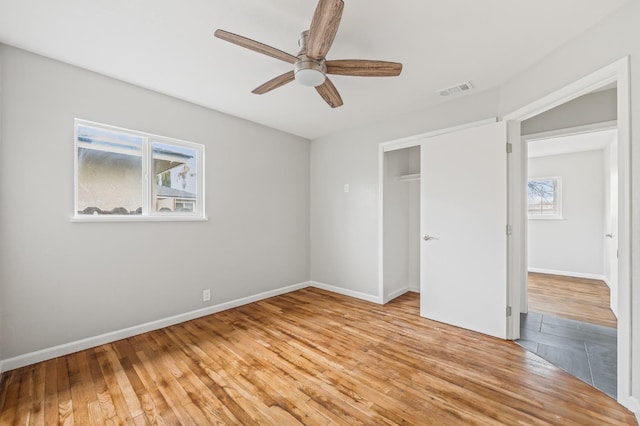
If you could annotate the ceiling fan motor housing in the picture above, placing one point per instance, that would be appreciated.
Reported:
(308, 71)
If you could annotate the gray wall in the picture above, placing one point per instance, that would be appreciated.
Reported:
(591, 108)
(573, 245)
(63, 281)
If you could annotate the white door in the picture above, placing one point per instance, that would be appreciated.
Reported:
(611, 226)
(463, 274)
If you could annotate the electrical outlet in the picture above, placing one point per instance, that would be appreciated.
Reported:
(206, 295)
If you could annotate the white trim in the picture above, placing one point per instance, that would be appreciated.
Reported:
(633, 404)
(516, 219)
(571, 131)
(90, 342)
(569, 274)
(346, 292)
(381, 219)
(396, 293)
(414, 140)
(587, 84)
(146, 149)
(616, 72)
(410, 178)
(394, 145)
(136, 218)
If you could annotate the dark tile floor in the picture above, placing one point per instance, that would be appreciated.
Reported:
(587, 351)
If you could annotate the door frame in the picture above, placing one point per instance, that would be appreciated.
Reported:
(570, 131)
(617, 72)
(394, 145)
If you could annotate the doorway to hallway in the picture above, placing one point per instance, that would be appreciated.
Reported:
(570, 324)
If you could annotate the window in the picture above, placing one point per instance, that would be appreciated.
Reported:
(129, 175)
(544, 196)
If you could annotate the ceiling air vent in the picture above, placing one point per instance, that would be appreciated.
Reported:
(458, 88)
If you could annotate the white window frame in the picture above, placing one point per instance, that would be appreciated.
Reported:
(558, 198)
(148, 215)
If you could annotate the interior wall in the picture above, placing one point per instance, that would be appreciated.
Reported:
(401, 213)
(572, 245)
(596, 107)
(64, 281)
(414, 221)
(613, 38)
(396, 223)
(344, 226)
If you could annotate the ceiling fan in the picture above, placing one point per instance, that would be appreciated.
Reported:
(310, 66)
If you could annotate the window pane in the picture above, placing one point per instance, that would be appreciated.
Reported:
(175, 186)
(109, 172)
(542, 197)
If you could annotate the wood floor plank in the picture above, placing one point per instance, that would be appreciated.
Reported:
(309, 357)
(51, 392)
(23, 414)
(166, 388)
(579, 299)
(113, 394)
(81, 384)
(185, 368)
(65, 402)
(151, 400)
(37, 409)
(105, 402)
(10, 396)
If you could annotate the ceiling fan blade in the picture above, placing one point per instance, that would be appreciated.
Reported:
(274, 83)
(364, 68)
(330, 94)
(255, 46)
(324, 27)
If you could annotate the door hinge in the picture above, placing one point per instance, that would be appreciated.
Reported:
(508, 229)
(509, 148)
(508, 311)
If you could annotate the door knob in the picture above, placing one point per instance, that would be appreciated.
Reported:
(608, 235)
(428, 237)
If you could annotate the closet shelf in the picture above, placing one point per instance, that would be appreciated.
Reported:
(414, 176)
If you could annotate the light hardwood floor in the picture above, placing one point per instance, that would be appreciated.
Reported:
(579, 299)
(307, 357)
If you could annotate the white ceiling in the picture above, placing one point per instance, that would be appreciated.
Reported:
(591, 141)
(168, 46)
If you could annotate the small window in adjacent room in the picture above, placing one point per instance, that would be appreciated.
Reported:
(129, 175)
(544, 198)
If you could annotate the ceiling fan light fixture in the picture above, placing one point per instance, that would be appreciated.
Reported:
(309, 72)
(310, 77)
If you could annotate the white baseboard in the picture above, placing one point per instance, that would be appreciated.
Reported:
(569, 274)
(396, 293)
(346, 292)
(415, 288)
(633, 405)
(90, 342)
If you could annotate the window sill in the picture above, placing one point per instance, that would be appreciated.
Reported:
(546, 218)
(116, 218)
